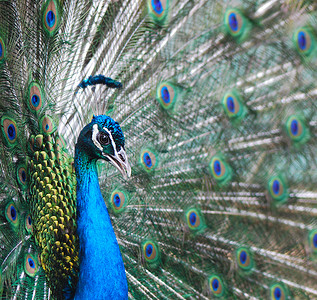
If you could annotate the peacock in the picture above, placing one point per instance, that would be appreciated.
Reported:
(158, 149)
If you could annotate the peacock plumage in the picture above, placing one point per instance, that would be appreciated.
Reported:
(207, 177)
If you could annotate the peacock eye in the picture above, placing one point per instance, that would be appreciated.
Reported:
(103, 138)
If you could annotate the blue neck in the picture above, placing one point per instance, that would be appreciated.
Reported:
(102, 274)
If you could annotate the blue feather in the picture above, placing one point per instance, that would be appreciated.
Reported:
(100, 257)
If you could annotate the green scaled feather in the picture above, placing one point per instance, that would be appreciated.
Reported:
(53, 208)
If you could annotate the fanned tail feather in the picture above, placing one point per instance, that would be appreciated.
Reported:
(218, 109)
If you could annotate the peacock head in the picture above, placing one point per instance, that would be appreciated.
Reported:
(103, 138)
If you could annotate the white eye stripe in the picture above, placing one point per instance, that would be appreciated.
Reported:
(112, 141)
(98, 145)
(123, 154)
(95, 132)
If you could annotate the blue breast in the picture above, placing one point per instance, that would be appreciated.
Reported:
(102, 274)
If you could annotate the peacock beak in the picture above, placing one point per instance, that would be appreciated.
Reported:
(120, 161)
